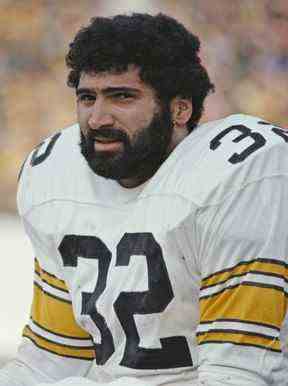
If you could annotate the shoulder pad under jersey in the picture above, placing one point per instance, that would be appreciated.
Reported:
(50, 168)
(222, 156)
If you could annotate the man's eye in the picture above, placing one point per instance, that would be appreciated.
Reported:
(122, 96)
(86, 98)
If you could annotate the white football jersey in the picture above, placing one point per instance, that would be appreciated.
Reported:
(182, 278)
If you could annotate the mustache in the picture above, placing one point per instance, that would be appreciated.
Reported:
(107, 132)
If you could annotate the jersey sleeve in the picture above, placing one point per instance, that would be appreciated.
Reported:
(52, 326)
(242, 256)
(54, 346)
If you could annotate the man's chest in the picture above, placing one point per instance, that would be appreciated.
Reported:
(130, 285)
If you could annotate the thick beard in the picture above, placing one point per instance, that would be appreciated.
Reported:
(140, 158)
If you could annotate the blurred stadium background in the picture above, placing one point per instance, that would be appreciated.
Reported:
(244, 46)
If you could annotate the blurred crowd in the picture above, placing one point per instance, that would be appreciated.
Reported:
(244, 46)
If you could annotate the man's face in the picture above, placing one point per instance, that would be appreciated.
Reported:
(125, 131)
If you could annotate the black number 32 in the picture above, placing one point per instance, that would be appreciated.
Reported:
(174, 351)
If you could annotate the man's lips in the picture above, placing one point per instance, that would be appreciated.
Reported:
(106, 135)
(107, 144)
(105, 139)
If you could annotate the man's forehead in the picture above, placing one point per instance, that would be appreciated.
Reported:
(102, 80)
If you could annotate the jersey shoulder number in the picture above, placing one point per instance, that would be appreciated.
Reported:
(256, 132)
(42, 164)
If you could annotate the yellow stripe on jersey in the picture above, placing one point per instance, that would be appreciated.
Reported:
(55, 315)
(269, 267)
(57, 348)
(51, 310)
(50, 279)
(245, 303)
(239, 338)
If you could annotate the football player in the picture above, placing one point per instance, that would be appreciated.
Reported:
(161, 244)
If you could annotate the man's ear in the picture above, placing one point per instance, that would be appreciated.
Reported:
(181, 111)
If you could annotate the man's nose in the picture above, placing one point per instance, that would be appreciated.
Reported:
(100, 115)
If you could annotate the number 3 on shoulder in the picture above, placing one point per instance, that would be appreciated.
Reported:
(244, 132)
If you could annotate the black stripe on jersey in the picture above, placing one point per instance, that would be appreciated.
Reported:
(51, 285)
(223, 281)
(240, 344)
(264, 285)
(260, 260)
(244, 283)
(264, 123)
(240, 332)
(55, 353)
(60, 335)
(242, 321)
(51, 295)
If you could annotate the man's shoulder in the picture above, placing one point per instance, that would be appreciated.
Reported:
(225, 155)
(246, 135)
(49, 167)
(51, 147)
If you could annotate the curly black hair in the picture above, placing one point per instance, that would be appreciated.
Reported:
(165, 52)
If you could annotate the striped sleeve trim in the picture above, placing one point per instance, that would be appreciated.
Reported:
(237, 325)
(241, 340)
(265, 273)
(228, 298)
(51, 291)
(74, 342)
(52, 312)
(266, 267)
(62, 349)
(249, 279)
(239, 303)
(251, 324)
(239, 332)
(49, 279)
(45, 332)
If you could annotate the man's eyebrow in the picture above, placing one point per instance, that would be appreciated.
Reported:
(111, 90)
(84, 90)
(107, 90)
